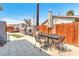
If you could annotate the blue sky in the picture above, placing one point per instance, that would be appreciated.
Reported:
(16, 12)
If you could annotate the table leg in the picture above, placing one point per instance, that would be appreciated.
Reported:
(47, 43)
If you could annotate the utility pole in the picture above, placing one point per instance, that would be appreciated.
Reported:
(37, 16)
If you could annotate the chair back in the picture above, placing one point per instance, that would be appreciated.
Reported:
(37, 38)
(61, 40)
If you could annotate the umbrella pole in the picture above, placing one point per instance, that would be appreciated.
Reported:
(48, 37)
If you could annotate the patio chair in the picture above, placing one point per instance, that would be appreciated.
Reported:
(59, 44)
(30, 32)
(40, 40)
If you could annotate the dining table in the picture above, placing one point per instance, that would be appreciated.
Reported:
(50, 37)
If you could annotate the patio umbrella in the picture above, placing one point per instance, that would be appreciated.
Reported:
(50, 21)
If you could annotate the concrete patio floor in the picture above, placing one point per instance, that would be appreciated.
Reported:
(24, 46)
(20, 47)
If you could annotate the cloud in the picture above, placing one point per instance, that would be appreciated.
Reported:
(11, 21)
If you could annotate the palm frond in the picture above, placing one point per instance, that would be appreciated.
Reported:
(1, 8)
(70, 13)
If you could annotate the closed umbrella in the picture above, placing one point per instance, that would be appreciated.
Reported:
(50, 23)
(50, 20)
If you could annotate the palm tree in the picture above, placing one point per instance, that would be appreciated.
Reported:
(70, 13)
(1, 8)
(28, 22)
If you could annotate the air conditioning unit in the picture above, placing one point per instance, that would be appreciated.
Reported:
(3, 32)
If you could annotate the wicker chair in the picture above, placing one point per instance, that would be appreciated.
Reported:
(40, 40)
(59, 44)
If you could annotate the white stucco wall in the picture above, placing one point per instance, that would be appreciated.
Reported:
(62, 20)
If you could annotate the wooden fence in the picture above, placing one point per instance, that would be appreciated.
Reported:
(69, 30)
(11, 29)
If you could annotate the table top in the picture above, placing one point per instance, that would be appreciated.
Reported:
(43, 34)
(55, 36)
(52, 36)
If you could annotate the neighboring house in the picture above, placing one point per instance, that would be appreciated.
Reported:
(12, 28)
(3, 31)
(25, 27)
(62, 19)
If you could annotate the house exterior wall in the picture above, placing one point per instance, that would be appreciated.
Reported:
(23, 28)
(3, 30)
(62, 20)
